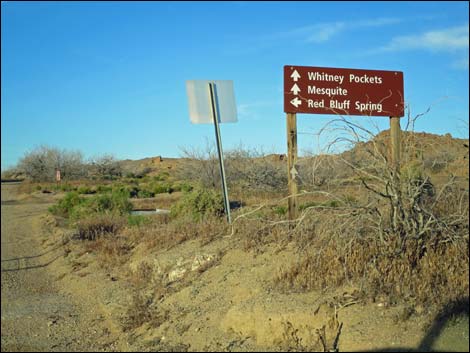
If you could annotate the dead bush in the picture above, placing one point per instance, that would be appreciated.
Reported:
(408, 241)
(421, 271)
(256, 234)
(142, 275)
(255, 170)
(98, 225)
(245, 168)
(111, 251)
(143, 309)
(201, 165)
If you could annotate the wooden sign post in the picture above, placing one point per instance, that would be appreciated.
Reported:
(395, 138)
(57, 178)
(326, 90)
(291, 164)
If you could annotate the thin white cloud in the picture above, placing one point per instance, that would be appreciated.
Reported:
(323, 32)
(450, 39)
(378, 22)
(461, 64)
(253, 110)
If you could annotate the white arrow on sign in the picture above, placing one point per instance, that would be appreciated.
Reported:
(296, 102)
(295, 75)
(293, 172)
(295, 89)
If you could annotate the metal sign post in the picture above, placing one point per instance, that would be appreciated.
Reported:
(215, 117)
(213, 102)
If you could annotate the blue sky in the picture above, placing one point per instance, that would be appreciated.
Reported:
(109, 77)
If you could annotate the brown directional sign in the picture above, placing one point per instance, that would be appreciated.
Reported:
(325, 90)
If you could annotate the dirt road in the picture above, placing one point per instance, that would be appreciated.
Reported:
(36, 315)
(55, 303)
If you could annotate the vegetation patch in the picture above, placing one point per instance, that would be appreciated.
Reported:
(137, 220)
(198, 205)
(99, 225)
(76, 207)
(143, 309)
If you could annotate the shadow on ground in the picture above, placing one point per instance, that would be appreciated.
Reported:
(458, 309)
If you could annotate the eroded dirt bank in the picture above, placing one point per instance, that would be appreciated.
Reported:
(56, 297)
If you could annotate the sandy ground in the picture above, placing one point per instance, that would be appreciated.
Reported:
(36, 314)
(56, 298)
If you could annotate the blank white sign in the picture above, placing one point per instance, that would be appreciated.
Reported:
(200, 111)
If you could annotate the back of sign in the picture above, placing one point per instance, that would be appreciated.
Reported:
(200, 111)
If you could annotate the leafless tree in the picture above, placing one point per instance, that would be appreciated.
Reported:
(42, 163)
(201, 165)
(105, 167)
(254, 169)
(248, 168)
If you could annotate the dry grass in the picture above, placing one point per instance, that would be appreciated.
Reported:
(92, 228)
(143, 309)
(27, 187)
(255, 234)
(164, 201)
(142, 276)
(111, 251)
(424, 271)
(408, 242)
(162, 234)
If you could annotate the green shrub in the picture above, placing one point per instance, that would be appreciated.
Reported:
(158, 178)
(145, 194)
(117, 201)
(67, 187)
(129, 190)
(137, 220)
(75, 207)
(143, 173)
(185, 187)
(182, 186)
(199, 204)
(133, 191)
(307, 205)
(332, 203)
(85, 190)
(81, 211)
(280, 210)
(65, 206)
(162, 176)
(101, 189)
(162, 188)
